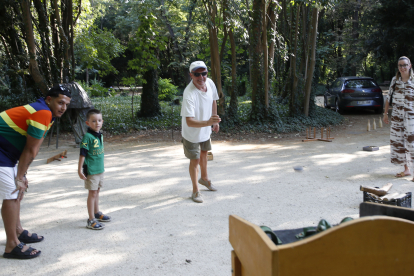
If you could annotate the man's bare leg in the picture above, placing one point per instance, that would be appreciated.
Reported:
(193, 169)
(19, 227)
(203, 165)
(10, 214)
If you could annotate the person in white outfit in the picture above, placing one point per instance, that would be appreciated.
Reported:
(402, 117)
(198, 118)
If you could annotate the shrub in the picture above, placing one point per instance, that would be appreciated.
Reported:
(166, 90)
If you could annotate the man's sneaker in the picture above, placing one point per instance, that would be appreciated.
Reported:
(207, 184)
(101, 217)
(197, 197)
(94, 225)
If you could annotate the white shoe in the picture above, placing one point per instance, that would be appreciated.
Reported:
(207, 184)
(197, 197)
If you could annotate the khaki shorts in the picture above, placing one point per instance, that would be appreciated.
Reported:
(94, 182)
(192, 150)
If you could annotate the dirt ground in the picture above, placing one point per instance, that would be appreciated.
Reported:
(156, 228)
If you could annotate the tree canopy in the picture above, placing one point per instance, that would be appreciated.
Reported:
(278, 51)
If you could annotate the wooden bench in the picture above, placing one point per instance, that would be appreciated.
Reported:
(370, 245)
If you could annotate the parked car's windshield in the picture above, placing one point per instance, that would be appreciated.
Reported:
(360, 84)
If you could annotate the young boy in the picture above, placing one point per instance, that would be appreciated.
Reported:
(91, 160)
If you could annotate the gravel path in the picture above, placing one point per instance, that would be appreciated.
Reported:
(157, 230)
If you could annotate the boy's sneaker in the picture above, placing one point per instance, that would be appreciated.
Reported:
(197, 197)
(94, 225)
(101, 217)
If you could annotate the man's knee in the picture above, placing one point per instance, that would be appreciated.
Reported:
(194, 162)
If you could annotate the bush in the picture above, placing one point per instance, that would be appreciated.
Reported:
(97, 89)
(166, 90)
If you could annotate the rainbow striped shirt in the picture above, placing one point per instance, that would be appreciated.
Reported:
(33, 119)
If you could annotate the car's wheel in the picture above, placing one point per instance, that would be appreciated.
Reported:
(337, 107)
(325, 103)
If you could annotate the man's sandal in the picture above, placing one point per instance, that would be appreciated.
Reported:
(402, 174)
(25, 238)
(17, 253)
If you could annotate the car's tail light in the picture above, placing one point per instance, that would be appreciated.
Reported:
(377, 90)
(348, 91)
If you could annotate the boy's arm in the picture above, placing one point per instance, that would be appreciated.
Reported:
(80, 173)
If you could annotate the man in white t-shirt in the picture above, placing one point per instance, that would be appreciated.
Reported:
(198, 117)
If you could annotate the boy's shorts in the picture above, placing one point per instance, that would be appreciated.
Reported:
(94, 182)
(7, 182)
(192, 150)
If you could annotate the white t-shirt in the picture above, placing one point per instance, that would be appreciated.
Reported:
(199, 105)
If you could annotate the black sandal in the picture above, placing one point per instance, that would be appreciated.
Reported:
(17, 253)
(25, 238)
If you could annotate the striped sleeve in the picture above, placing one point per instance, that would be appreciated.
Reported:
(39, 123)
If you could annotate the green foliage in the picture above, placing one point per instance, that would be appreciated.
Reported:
(116, 113)
(145, 45)
(96, 89)
(117, 119)
(95, 48)
(166, 90)
(278, 119)
(8, 101)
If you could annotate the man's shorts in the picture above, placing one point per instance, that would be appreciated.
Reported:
(192, 150)
(94, 182)
(7, 182)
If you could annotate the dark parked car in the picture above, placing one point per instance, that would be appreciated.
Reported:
(354, 92)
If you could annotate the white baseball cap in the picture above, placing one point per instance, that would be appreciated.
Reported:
(197, 65)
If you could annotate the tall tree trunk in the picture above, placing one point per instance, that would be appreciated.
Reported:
(265, 57)
(43, 31)
(33, 66)
(355, 36)
(233, 98)
(150, 106)
(223, 43)
(258, 101)
(293, 75)
(63, 41)
(71, 53)
(215, 65)
(211, 10)
(311, 68)
(305, 43)
(57, 47)
(272, 24)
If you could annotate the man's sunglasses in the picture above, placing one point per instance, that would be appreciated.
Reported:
(198, 74)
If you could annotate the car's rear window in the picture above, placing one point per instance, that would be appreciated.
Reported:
(360, 84)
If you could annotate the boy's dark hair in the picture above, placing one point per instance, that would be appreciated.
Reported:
(91, 112)
(59, 89)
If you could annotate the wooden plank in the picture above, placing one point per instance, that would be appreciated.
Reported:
(376, 245)
(253, 248)
(236, 268)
